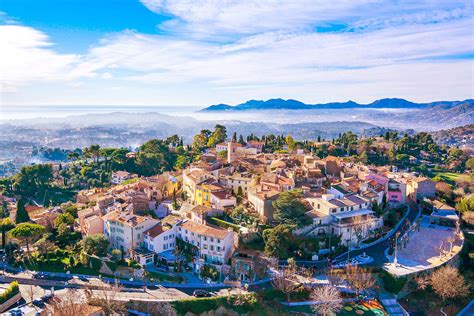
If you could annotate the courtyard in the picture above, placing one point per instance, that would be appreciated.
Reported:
(428, 248)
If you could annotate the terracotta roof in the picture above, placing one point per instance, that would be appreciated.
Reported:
(221, 195)
(201, 209)
(154, 231)
(125, 218)
(32, 208)
(205, 230)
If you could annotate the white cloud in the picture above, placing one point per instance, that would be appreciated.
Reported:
(236, 50)
(210, 17)
(28, 56)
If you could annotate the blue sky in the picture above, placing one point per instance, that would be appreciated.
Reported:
(184, 52)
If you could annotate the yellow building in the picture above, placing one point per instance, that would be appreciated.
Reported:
(203, 192)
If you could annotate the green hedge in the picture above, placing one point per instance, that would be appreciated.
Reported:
(11, 291)
(205, 304)
(219, 222)
(393, 284)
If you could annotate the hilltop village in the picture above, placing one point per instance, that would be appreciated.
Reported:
(233, 212)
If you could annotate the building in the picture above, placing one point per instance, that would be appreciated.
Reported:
(119, 177)
(125, 230)
(162, 237)
(397, 190)
(191, 179)
(420, 188)
(261, 198)
(222, 200)
(348, 216)
(214, 245)
(238, 180)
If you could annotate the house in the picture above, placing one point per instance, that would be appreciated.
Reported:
(348, 216)
(204, 190)
(221, 147)
(119, 177)
(261, 198)
(124, 230)
(238, 180)
(420, 188)
(222, 200)
(162, 237)
(214, 245)
(246, 267)
(198, 214)
(397, 190)
(191, 179)
(257, 145)
(90, 221)
(441, 213)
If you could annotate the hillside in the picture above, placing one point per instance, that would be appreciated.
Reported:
(462, 136)
(290, 104)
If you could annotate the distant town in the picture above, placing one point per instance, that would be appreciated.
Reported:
(256, 225)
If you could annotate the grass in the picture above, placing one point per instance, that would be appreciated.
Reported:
(156, 276)
(449, 177)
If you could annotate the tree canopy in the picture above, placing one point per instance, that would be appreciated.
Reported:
(289, 209)
(95, 245)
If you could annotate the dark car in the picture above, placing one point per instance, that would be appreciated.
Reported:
(38, 302)
(39, 275)
(201, 293)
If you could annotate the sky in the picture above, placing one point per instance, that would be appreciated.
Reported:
(185, 52)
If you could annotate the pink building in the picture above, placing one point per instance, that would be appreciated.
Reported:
(397, 190)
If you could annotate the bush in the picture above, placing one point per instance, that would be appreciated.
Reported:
(208, 271)
(11, 291)
(205, 304)
(223, 224)
(393, 284)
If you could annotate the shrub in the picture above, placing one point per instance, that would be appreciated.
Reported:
(242, 303)
(11, 291)
(393, 284)
(223, 224)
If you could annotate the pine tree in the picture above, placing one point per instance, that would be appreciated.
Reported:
(21, 213)
(241, 140)
(234, 137)
(319, 138)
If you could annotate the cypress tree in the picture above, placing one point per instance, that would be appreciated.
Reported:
(21, 213)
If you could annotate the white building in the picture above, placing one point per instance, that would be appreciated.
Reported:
(212, 244)
(348, 216)
(125, 231)
(162, 237)
(122, 176)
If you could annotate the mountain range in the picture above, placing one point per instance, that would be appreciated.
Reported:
(290, 104)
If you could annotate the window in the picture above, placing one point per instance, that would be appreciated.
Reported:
(212, 239)
(212, 247)
(218, 248)
(205, 238)
(205, 246)
(218, 241)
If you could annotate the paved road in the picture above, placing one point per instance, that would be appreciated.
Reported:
(378, 251)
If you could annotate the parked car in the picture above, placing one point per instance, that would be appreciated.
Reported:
(201, 293)
(38, 302)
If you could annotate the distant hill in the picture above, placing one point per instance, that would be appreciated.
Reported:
(290, 104)
(462, 136)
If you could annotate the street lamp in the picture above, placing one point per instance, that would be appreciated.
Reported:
(396, 248)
